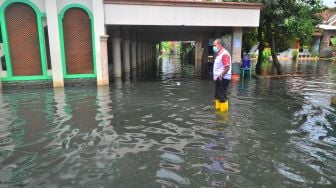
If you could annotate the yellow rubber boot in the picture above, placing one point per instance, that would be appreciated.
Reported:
(224, 106)
(217, 104)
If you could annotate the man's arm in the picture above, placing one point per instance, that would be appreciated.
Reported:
(226, 62)
(226, 70)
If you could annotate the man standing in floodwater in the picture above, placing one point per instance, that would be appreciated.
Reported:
(221, 74)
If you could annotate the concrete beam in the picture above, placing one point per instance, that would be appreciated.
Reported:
(129, 14)
(175, 33)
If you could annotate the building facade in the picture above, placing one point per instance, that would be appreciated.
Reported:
(60, 40)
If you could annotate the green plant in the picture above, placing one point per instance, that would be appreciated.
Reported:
(333, 42)
(266, 53)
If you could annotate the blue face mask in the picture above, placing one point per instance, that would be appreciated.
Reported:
(215, 49)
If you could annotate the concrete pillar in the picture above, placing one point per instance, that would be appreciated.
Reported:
(139, 53)
(157, 51)
(153, 51)
(154, 54)
(103, 76)
(133, 51)
(133, 55)
(100, 42)
(147, 57)
(205, 45)
(54, 41)
(126, 51)
(126, 57)
(151, 56)
(198, 57)
(116, 51)
(237, 38)
(143, 57)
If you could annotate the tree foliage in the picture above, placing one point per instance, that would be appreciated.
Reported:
(284, 20)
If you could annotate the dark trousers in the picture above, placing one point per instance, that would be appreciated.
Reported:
(221, 89)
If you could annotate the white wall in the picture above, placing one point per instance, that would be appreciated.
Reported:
(63, 3)
(118, 14)
(38, 3)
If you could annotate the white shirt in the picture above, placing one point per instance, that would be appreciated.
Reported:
(218, 66)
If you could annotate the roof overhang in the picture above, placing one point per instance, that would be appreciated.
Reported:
(326, 27)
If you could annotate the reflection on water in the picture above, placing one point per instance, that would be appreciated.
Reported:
(162, 131)
(303, 68)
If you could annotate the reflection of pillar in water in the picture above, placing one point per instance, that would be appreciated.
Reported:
(118, 83)
(61, 114)
(6, 120)
(108, 137)
(134, 74)
(104, 103)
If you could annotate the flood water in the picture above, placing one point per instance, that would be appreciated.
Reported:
(163, 131)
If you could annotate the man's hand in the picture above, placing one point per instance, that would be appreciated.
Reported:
(221, 76)
(226, 70)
